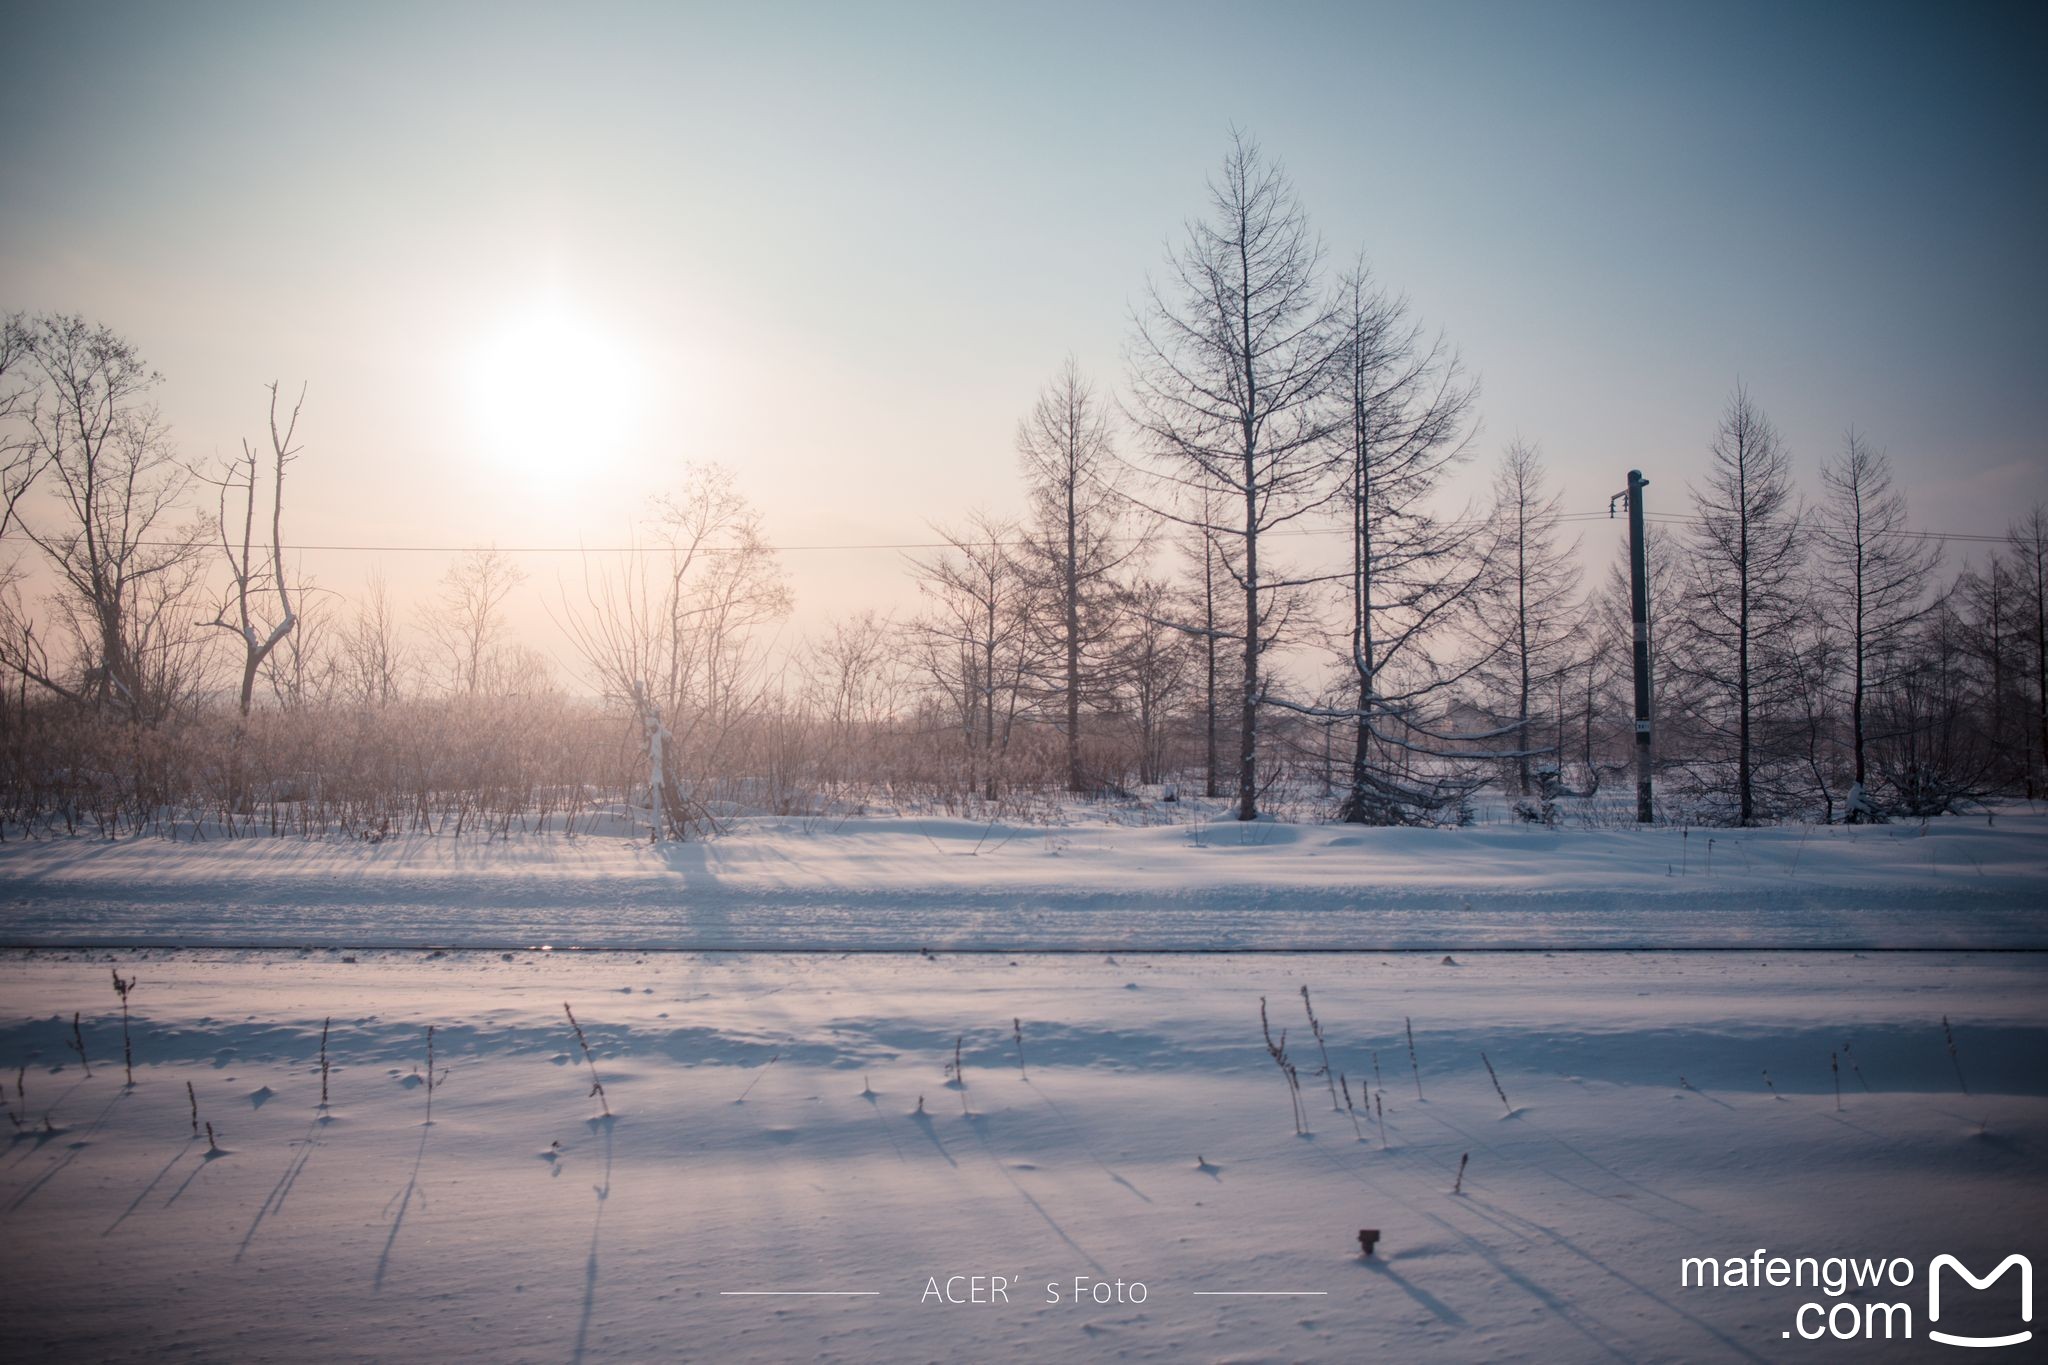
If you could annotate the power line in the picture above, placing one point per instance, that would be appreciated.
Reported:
(1455, 523)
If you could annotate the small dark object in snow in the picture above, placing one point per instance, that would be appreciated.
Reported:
(1448, 961)
(349, 960)
(1459, 1187)
(1367, 1239)
(1946, 1032)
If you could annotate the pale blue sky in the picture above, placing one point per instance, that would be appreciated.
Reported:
(842, 245)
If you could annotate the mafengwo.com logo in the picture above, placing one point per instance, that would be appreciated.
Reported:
(1863, 1318)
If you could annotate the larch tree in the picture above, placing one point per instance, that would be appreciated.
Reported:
(1534, 620)
(1874, 578)
(1232, 359)
(1743, 605)
(1401, 409)
(1209, 623)
(1079, 535)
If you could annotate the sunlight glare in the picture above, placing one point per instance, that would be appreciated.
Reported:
(549, 391)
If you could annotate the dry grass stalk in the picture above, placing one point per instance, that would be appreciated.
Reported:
(1496, 1085)
(1415, 1066)
(596, 1085)
(121, 988)
(77, 1044)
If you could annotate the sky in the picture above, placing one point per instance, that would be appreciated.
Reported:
(529, 263)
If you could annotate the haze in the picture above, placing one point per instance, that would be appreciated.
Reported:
(529, 262)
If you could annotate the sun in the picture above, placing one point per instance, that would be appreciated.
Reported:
(551, 392)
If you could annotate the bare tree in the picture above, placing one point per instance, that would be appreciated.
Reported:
(850, 682)
(1078, 538)
(1930, 746)
(2027, 542)
(124, 568)
(372, 659)
(466, 622)
(1535, 623)
(21, 455)
(240, 613)
(732, 585)
(1404, 408)
(1231, 363)
(974, 641)
(1812, 665)
(670, 631)
(848, 673)
(1871, 566)
(1156, 664)
(678, 614)
(1742, 607)
(1213, 629)
(308, 665)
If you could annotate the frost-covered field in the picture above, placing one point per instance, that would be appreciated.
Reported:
(908, 883)
(767, 1137)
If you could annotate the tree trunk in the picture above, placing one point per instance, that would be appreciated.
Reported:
(1522, 643)
(1210, 786)
(1073, 586)
(1248, 740)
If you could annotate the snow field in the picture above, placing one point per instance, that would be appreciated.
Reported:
(766, 1138)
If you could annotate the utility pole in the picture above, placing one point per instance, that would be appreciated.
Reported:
(1639, 603)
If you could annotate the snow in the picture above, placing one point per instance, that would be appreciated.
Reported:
(892, 882)
(773, 1049)
(520, 1225)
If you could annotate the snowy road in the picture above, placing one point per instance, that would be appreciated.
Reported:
(900, 884)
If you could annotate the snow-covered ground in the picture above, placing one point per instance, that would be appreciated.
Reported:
(783, 1120)
(767, 1138)
(908, 883)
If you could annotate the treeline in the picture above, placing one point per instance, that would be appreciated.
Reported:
(1151, 618)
